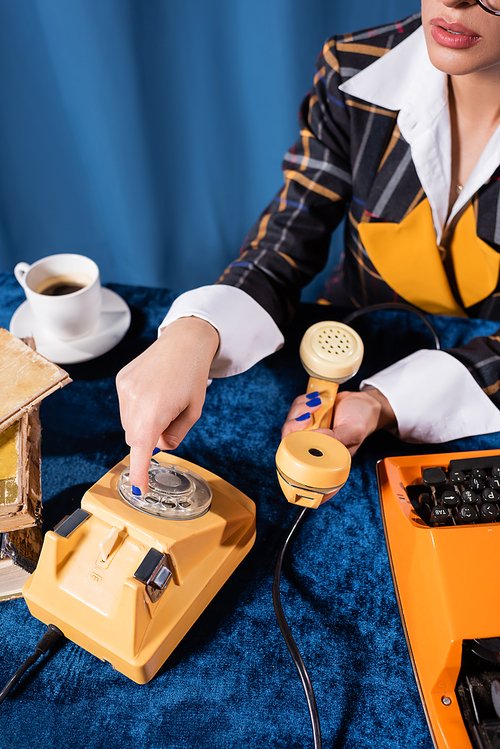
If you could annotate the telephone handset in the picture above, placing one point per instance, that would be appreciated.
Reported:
(312, 466)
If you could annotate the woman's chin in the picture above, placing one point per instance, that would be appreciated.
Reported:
(475, 57)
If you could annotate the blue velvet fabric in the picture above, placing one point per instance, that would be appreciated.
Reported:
(231, 683)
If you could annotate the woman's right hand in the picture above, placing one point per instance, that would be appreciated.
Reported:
(161, 392)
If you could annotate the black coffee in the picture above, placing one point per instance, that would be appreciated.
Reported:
(60, 288)
(62, 284)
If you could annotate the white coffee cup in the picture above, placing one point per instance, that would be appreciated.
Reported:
(64, 292)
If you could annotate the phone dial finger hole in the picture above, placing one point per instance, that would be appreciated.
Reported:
(175, 493)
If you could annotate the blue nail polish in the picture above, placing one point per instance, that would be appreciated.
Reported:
(315, 402)
(136, 491)
(313, 395)
(303, 417)
(156, 450)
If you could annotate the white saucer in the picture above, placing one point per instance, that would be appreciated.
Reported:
(113, 324)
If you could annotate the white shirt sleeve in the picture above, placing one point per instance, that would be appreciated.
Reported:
(247, 332)
(435, 398)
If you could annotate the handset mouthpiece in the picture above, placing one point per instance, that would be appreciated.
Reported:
(311, 467)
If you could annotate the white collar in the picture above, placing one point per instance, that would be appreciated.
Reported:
(404, 80)
(388, 82)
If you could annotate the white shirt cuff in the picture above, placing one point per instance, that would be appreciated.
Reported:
(247, 332)
(435, 398)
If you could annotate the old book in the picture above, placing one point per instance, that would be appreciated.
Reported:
(12, 579)
(26, 378)
(19, 552)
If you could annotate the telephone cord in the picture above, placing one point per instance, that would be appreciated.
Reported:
(285, 629)
(397, 307)
(51, 635)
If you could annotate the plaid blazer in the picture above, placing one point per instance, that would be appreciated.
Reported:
(351, 160)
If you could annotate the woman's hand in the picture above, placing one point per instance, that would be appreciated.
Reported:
(355, 416)
(162, 391)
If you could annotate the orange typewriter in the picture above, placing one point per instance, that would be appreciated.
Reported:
(441, 517)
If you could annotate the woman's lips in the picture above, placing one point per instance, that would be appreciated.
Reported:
(452, 34)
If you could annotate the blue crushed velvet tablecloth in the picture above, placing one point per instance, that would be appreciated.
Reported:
(231, 682)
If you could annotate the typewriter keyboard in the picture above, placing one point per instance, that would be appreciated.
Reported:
(465, 493)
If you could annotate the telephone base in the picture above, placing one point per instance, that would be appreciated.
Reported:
(89, 581)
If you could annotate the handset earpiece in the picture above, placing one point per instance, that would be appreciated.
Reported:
(312, 467)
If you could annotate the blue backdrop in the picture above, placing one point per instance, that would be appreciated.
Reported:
(148, 134)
